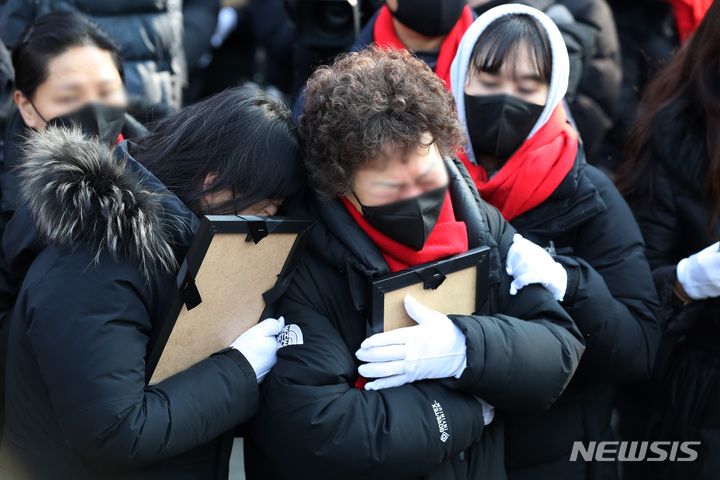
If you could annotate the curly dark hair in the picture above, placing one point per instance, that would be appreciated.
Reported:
(366, 104)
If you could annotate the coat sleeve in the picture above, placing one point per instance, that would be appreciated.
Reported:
(313, 423)
(89, 328)
(611, 294)
(522, 357)
(667, 241)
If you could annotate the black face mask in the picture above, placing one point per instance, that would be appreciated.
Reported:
(429, 17)
(410, 220)
(499, 124)
(96, 119)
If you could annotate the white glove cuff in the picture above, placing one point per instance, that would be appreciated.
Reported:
(683, 276)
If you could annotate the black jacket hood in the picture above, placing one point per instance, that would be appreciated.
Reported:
(75, 189)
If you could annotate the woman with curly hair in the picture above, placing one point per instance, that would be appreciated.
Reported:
(509, 79)
(380, 133)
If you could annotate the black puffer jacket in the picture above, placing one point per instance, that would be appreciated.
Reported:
(77, 403)
(612, 299)
(676, 226)
(314, 424)
(9, 185)
(152, 35)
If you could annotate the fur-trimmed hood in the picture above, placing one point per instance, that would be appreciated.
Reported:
(81, 191)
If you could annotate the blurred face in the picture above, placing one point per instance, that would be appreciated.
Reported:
(79, 76)
(399, 175)
(519, 79)
(265, 207)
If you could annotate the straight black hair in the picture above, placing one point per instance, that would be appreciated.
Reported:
(503, 41)
(50, 36)
(242, 135)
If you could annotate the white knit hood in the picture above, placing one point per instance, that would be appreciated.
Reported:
(560, 63)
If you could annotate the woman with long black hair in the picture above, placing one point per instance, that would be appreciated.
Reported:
(672, 181)
(98, 238)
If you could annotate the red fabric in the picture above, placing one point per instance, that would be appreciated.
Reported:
(533, 173)
(447, 238)
(688, 15)
(385, 36)
(361, 382)
(120, 138)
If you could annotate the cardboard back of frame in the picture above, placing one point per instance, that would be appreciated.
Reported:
(456, 285)
(232, 276)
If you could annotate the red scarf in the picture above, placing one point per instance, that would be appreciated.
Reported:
(385, 36)
(688, 15)
(533, 173)
(447, 238)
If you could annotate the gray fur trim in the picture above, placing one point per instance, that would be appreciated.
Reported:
(78, 191)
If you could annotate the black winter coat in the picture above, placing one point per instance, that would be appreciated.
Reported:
(314, 424)
(9, 185)
(675, 226)
(612, 299)
(158, 39)
(77, 403)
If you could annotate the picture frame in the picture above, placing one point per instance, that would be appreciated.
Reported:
(454, 285)
(235, 270)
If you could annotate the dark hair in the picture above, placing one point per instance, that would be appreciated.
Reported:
(50, 36)
(505, 38)
(691, 83)
(243, 135)
(366, 103)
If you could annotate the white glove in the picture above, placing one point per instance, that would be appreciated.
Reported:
(435, 348)
(699, 274)
(529, 263)
(259, 345)
(488, 410)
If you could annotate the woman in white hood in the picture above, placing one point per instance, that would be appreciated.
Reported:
(508, 79)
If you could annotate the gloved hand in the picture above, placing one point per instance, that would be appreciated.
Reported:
(699, 274)
(259, 345)
(530, 263)
(435, 348)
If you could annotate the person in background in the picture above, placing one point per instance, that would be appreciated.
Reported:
(588, 29)
(430, 29)
(8, 288)
(672, 182)
(7, 82)
(67, 69)
(380, 132)
(160, 42)
(99, 239)
(508, 80)
(647, 34)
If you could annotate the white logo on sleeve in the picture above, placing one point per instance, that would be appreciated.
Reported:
(290, 335)
(442, 422)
